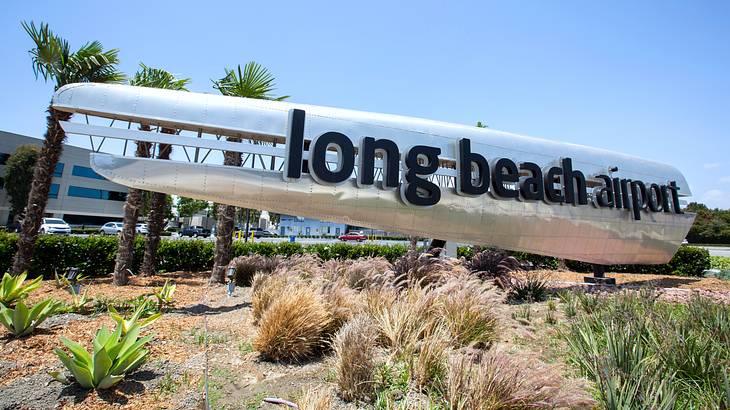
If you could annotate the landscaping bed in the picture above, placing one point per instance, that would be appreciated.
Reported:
(235, 349)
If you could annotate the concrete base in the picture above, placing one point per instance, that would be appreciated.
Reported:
(599, 280)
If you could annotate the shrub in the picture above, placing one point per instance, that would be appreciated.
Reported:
(95, 255)
(404, 322)
(342, 303)
(367, 272)
(430, 367)
(530, 286)
(267, 288)
(467, 308)
(247, 266)
(293, 327)
(355, 359)
(493, 264)
(22, 321)
(720, 262)
(314, 399)
(114, 355)
(688, 261)
(164, 295)
(425, 268)
(494, 380)
(14, 288)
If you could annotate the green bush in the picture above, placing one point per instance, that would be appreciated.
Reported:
(94, 255)
(539, 261)
(720, 262)
(688, 261)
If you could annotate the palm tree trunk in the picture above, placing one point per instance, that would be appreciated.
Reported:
(125, 250)
(224, 227)
(156, 219)
(41, 184)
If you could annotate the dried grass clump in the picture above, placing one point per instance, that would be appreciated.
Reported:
(430, 366)
(293, 327)
(334, 269)
(315, 399)
(267, 288)
(342, 302)
(467, 307)
(488, 380)
(247, 266)
(426, 268)
(306, 266)
(402, 324)
(355, 359)
(377, 299)
(367, 272)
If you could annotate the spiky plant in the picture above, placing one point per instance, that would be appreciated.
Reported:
(14, 288)
(115, 354)
(136, 320)
(493, 264)
(164, 295)
(22, 321)
(248, 265)
(422, 268)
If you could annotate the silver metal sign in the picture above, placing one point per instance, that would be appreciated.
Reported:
(415, 176)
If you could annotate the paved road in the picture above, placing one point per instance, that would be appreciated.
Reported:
(718, 250)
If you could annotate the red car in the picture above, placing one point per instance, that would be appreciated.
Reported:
(352, 236)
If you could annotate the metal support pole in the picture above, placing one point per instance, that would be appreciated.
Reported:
(599, 276)
(248, 213)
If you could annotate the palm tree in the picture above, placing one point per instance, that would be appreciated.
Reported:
(154, 78)
(53, 60)
(253, 81)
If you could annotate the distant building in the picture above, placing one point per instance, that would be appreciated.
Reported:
(78, 194)
(295, 225)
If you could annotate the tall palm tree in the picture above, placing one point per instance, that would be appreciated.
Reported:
(253, 81)
(53, 60)
(154, 78)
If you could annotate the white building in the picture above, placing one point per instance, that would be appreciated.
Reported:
(78, 194)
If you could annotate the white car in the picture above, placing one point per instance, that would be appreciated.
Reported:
(55, 225)
(111, 228)
(142, 229)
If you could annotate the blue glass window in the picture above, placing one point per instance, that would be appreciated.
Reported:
(92, 193)
(87, 172)
(58, 172)
(53, 191)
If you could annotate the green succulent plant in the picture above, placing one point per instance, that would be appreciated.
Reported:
(12, 288)
(22, 321)
(136, 318)
(114, 356)
(165, 295)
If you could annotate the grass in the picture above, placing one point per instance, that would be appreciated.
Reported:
(644, 353)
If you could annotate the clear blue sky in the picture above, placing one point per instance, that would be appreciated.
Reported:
(650, 78)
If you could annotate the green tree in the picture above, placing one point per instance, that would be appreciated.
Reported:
(253, 81)
(187, 207)
(153, 78)
(18, 171)
(53, 60)
(482, 125)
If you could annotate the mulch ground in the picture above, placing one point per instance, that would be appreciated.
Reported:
(182, 348)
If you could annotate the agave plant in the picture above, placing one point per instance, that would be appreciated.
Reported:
(12, 288)
(136, 320)
(493, 264)
(115, 354)
(164, 295)
(22, 321)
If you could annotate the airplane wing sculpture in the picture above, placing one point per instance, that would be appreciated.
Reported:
(409, 175)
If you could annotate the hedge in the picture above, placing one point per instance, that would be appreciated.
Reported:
(688, 261)
(94, 255)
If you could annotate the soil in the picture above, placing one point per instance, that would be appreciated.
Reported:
(209, 333)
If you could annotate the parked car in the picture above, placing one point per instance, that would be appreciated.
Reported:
(111, 228)
(261, 233)
(55, 226)
(352, 236)
(194, 231)
(142, 229)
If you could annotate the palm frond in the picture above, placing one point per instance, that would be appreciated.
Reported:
(52, 59)
(158, 78)
(253, 81)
